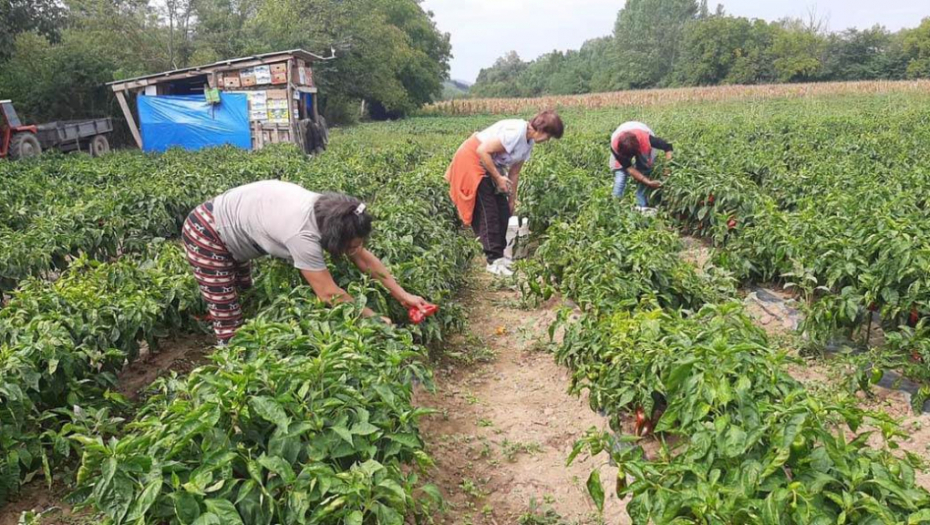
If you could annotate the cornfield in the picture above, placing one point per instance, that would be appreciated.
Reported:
(653, 97)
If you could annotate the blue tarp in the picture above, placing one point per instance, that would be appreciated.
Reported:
(189, 122)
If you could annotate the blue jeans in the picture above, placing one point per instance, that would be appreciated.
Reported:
(620, 180)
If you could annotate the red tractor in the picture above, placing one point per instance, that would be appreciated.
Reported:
(16, 141)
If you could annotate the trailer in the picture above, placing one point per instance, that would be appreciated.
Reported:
(21, 141)
(72, 135)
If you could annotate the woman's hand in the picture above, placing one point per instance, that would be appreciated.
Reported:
(654, 184)
(503, 184)
(412, 301)
(387, 320)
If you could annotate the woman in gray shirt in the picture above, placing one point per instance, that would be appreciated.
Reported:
(283, 220)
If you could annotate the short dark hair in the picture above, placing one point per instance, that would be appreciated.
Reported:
(550, 123)
(340, 221)
(628, 145)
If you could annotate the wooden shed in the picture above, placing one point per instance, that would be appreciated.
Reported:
(276, 90)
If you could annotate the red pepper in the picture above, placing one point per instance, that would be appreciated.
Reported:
(731, 224)
(710, 200)
(641, 422)
(417, 315)
(873, 307)
(915, 316)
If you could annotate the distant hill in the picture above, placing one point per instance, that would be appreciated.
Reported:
(455, 89)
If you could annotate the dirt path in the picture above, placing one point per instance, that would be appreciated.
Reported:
(506, 423)
(178, 354)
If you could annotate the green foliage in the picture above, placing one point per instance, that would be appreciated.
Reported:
(62, 343)
(659, 43)
(743, 442)
(305, 417)
(43, 17)
(499, 80)
(454, 89)
(868, 54)
(390, 53)
(648, 37)
(39, 72)
(725, 50)
(740, 440)
(917, 47)
(798, 51)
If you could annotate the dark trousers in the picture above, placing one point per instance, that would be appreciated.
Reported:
(489, 221)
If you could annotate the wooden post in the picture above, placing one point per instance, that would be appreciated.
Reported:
(121, 97)
(316, 107)
(293, 127)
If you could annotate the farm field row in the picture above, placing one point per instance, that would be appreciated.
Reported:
(826, 197)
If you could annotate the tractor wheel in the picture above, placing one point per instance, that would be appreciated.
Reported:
(99, 146)
(24, 145)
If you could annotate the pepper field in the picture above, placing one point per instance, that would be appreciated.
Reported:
(309, 415)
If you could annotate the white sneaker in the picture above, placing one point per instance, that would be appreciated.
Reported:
(506, 261)
(499, 269)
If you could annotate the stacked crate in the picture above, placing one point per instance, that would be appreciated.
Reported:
(273, 99)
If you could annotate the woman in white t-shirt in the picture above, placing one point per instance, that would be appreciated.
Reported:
(484, 175)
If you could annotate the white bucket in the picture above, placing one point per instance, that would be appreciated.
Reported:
(518, 232)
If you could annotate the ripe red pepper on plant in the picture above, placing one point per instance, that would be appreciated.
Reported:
(417, 315)
(641, 428)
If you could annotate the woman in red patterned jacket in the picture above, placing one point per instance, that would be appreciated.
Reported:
(634, 148)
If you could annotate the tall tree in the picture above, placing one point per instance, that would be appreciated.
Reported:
(390, 52)
(917, 49)
(501, 79)
(724, 50)
(44, 17)
(799, 50)
(868, 54)
(648, 37)
(226, 29)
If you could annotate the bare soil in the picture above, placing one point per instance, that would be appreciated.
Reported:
(696, 251)
(506, 423)
(37, 497)
(179, 354)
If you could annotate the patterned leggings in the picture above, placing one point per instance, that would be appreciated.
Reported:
(219, 275)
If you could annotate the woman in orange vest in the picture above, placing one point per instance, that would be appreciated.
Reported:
(484, 174)
(633, 148)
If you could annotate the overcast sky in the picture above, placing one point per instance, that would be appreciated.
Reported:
(483, 30)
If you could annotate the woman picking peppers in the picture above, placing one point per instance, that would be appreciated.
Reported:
(484, 174)
(283, 220)
(633, 148)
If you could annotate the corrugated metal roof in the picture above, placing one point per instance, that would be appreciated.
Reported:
(299, 53)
